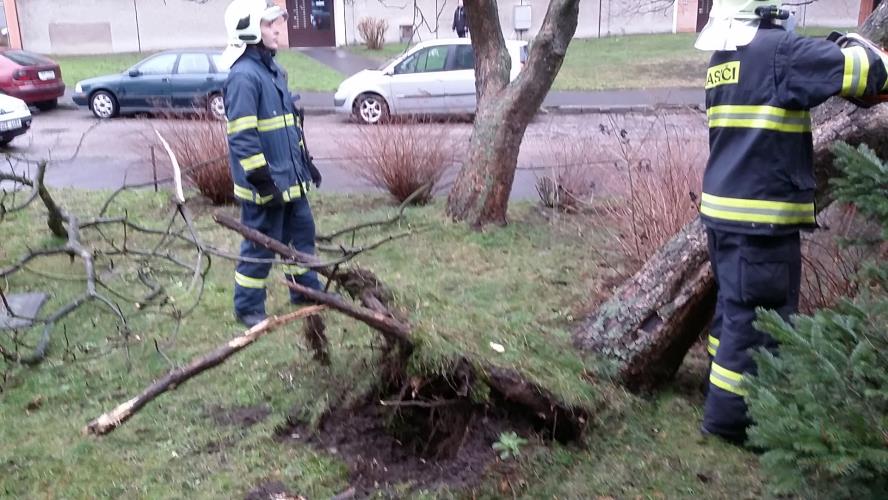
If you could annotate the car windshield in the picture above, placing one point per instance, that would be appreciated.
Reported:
(393, 59)
(217, 62)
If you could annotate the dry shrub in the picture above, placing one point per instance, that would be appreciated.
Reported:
(663, 179)
(201, 146)
(831, 263)
(568, 185)
(402, 158)
(372, 32)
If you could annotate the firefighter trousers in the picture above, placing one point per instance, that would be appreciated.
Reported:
(291, 223)
(750, 271)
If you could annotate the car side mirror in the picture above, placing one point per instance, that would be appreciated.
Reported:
(134, 72)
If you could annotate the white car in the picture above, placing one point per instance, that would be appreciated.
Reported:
(433, 77)
(15, 118)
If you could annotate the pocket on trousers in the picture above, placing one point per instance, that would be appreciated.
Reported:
(764, 283)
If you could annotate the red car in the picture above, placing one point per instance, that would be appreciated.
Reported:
(31, 77)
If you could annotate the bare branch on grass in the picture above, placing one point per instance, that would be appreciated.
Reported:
(109, 421)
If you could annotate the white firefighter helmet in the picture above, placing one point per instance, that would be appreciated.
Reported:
(732, 23)
(243, 20)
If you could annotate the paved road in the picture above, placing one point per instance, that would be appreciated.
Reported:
(113, 151)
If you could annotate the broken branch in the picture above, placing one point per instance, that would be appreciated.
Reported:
(109, 421)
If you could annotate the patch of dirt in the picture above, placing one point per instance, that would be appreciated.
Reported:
(240, 416)
(692, 378)
(271, 490)
(384, 447)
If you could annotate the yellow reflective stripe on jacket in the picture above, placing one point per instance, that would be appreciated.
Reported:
(241, 124)
(726, 379)
(278, 122)
(294, 192)
(713, 345)
(294, 270)
(247, 194)
(884, 58)
(253, 162)
(248, 282)
(762, 211)
(856, 71)
(762, 117)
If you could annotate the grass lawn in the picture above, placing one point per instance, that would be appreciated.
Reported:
(306, 74)
(384, 54)
(637, 61)
(519, 286)
(640, 61)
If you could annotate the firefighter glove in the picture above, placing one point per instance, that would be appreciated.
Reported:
(315, 173)
(265, 186)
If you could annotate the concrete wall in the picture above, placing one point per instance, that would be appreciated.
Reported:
(102, 26)
(616, 17)
(831, 13)
(13, 38)
(835, 13)
(685, 19)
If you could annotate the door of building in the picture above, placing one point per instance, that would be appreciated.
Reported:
(311, 23)
(703, 8)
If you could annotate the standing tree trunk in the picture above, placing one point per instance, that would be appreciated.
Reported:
(480, 195)
(652, 319)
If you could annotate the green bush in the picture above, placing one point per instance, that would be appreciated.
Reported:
(821, 404)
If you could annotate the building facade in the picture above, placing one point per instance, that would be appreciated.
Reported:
(108, 26)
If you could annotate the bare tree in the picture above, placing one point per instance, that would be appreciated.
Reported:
(481, 192)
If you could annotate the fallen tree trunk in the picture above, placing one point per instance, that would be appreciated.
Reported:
(651, 321)
(653, 318)
(114, 418)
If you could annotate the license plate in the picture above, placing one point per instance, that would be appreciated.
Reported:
(10, 124)
(46, 75)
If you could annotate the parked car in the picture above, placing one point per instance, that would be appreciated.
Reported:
(174, 80)
(15, 118)
(31, 77)
(433, 77)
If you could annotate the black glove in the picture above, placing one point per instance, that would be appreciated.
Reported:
(265, 186)
(315, 173)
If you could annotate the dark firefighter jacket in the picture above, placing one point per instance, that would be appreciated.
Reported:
(759, 178)
(263, 129)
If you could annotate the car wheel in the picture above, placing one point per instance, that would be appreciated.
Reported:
(371, 109)
(216, 106)
(103, 105)
(47, 105)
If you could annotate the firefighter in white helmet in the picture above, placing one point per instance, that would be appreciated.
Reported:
(270, 166)
(758, 188)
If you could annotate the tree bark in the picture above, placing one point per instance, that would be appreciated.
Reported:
(480, 194)
(652, 319)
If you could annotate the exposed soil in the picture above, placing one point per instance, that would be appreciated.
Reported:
(420, 447)
(240, 416)
(271, 490)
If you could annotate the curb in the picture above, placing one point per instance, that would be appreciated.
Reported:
(579, 109)
(573, 109)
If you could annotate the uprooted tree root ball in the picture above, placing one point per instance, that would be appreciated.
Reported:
(431, 432)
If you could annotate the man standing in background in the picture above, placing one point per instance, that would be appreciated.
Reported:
(460, 23)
